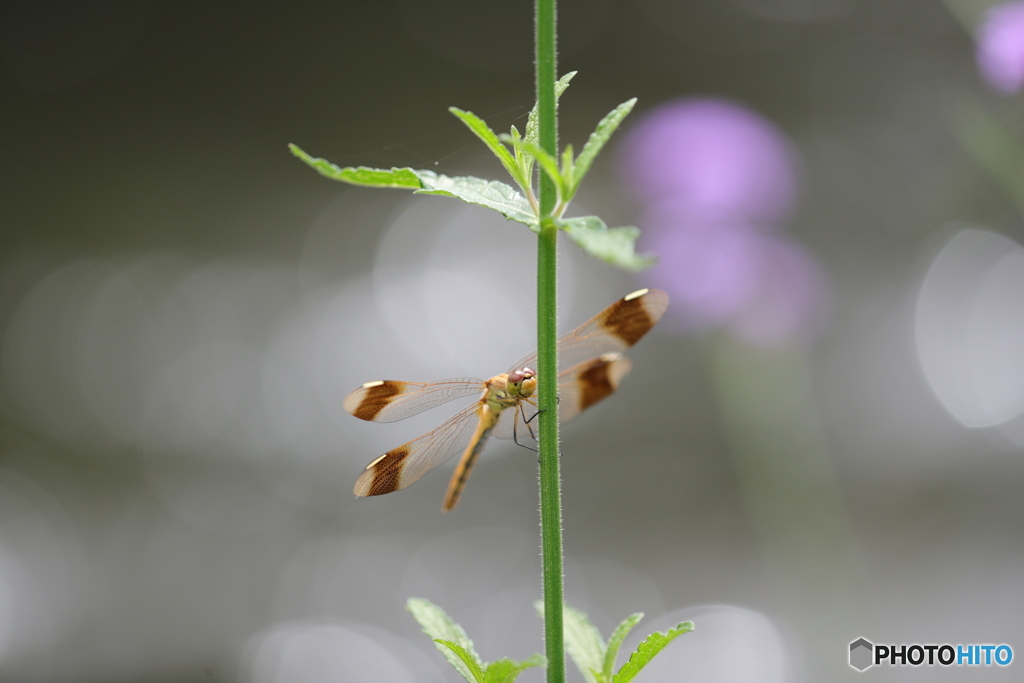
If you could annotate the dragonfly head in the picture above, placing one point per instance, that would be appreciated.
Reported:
(522, 382)
(518, 376)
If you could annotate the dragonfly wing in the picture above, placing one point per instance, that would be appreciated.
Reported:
(390, 400)
(402, 466)
(616, 328)
(586, 383)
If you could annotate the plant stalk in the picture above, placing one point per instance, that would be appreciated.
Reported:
(547, 350)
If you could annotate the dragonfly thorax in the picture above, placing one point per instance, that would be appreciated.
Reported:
(505, 391)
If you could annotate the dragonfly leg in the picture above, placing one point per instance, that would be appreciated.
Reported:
(557, 399)
(530, 426)
(515, 431)
(532, 435)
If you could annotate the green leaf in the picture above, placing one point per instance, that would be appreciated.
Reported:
(371, 177)
(446, 633)
(525, 161)
(532, 132)
(473, 672)
(513, 133)
(547, 162)
(489, 193)
(507, 670)
(616, 246)
(568, 167)
(646, 651)
(584, 643)
(597, 140)
(484, 132)
(582, 640)
(615, 642)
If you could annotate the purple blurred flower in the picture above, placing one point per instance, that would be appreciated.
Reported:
(791, 297)
(1000, 53)
(714, 157)
(716, 179)
(766, 288)
(708, 267)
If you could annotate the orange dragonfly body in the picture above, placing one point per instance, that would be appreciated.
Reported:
(594, 367)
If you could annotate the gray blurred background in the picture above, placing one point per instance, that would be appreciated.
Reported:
(184, 305)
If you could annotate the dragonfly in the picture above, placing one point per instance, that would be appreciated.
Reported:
(594, 366)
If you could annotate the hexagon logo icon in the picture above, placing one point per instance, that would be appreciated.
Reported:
(861, 651)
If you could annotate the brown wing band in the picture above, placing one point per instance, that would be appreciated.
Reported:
(628, 320)
(375, 399)
(596, 382)
(383, 475)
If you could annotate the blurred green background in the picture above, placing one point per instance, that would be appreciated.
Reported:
(184, 306)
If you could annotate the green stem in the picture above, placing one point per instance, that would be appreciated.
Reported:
(550, 478)
(547, 351)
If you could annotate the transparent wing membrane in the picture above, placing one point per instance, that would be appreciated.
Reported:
(404, 465)
(391, 400)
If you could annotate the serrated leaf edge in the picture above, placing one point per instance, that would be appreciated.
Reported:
(597, 140)
(648, 649)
